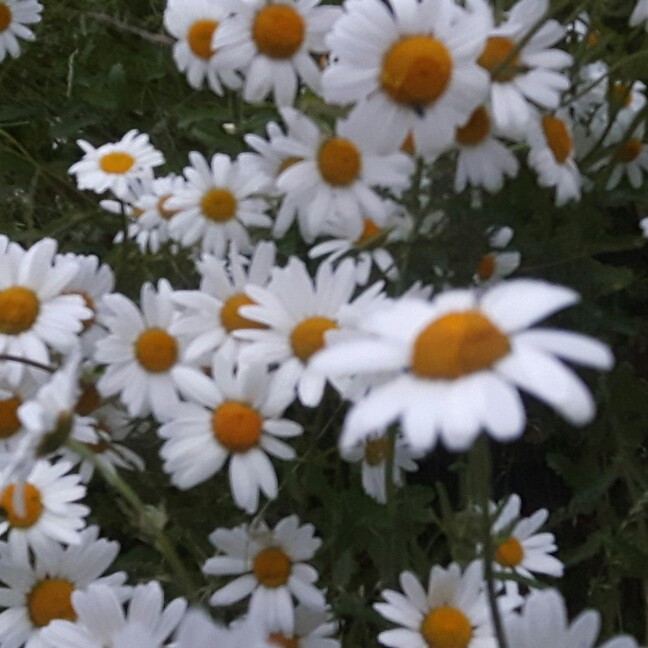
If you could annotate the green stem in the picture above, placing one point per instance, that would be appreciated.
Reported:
(5, 357)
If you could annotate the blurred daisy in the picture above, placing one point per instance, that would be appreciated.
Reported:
(498, 263)
(462, 357)
(272, 569)
(409, 66)
(14, 16)
(113, 166)
(217, 204)
(39, 590)
(272, 44)
(640, 14)
(198, 630)
(630, 160)
(313, 629)
(193, 24)
(236, 415)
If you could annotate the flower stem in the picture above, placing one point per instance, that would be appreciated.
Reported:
(5, 357)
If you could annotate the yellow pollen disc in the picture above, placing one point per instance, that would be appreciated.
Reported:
(486, 267)
(272, 567)
(288, 162)
(50, 599)
(199, 37)
(509, 553)
(236, 426)
(369, 231)
(457, 344)
(446, 627)
(558, 138)
(278, 31)
(308, 336)
(278, 639)
(19, 308)
(416, 70)
(620, 93)
(5, 16)
(377, 450)
(163, 211)
(9, 421)
(629, 151)
(89, 400)
(230, 317)
(156, 350)
(339, 161)
(32, 506)
(218, 204)
(496, 51)
(116, 162)
(475, 130)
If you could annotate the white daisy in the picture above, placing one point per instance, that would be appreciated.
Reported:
(193, 23)
(101, 620)
(15, 15)
(272, 569)
(498, 263)
(39, 590)
(236, 415)
(198, 630)
(461, 358)
(272, 43)
(313, 629)
(640, 14)
(629, 159)
(217, 204)
(113, 166)
(410, 66)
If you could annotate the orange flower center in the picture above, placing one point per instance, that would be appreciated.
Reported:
(629, 151)
(162, 210)
(9, 421)
(156, 350)
(377, 450)
(278, 31)
(486, 267)
(200, 36)
(5, 16)
(116, 162)
(278, 639)
(89, 400)
(236, 426)
(339, 161)
(457, 344)
(19, 308)
(475, 130)
(308, 336)
(496, 51)
(31, 509)
(218, 204)
(272, 567)
(369, 231)
(50, 599)
(446, 627)
(558, 138)
(230, 317)
(509, 553)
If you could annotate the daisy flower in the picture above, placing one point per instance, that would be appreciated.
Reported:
(197, 629)
(14, 16)
(333, 176)
(409, 66)
(499, 263)
(116, 164)
(39, 590)
(640, 14)
(272, 568)
(100, 619)
(460, 359)
(453, 612)
(217, 204)
(313, 629)
(140, 352)
(193, 24)
(236, 415)
(298, 311)
(272, 44)
(630, 159)
(543, 622)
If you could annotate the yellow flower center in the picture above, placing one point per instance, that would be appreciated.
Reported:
(416, 70)
(236, 426)
(308, 336)
(5, 16)
(9, 421)
(457, 344)
(620, 93)
(629, 151)
(156, 350)
(19, 308)
(162, 210)
(31, 510)
(369, 231)
(446, 627)
(558, 138)
(496, 51)
(230, 317)
(50, 599)
(116, 162)
(486, 267)
(377, 450)
(89, 400)
(218, 204)
(272, 567)
(475, 130)
(199, 37)
(509, 553)
(278, 31)
(278, 639)
(339, 161)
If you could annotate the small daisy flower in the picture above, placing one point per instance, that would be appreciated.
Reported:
(453, 613)
(498, 263)
(39, 590)
(113, 166)
(272, 44)
(236, 415)
(217, 204)
(197, 629)
(409, 66)
(272, 568)
(640, 14)
(630, 160)
(463, 356)
(193, 24)
(313, 629)
(15, 15)
(100, 619)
